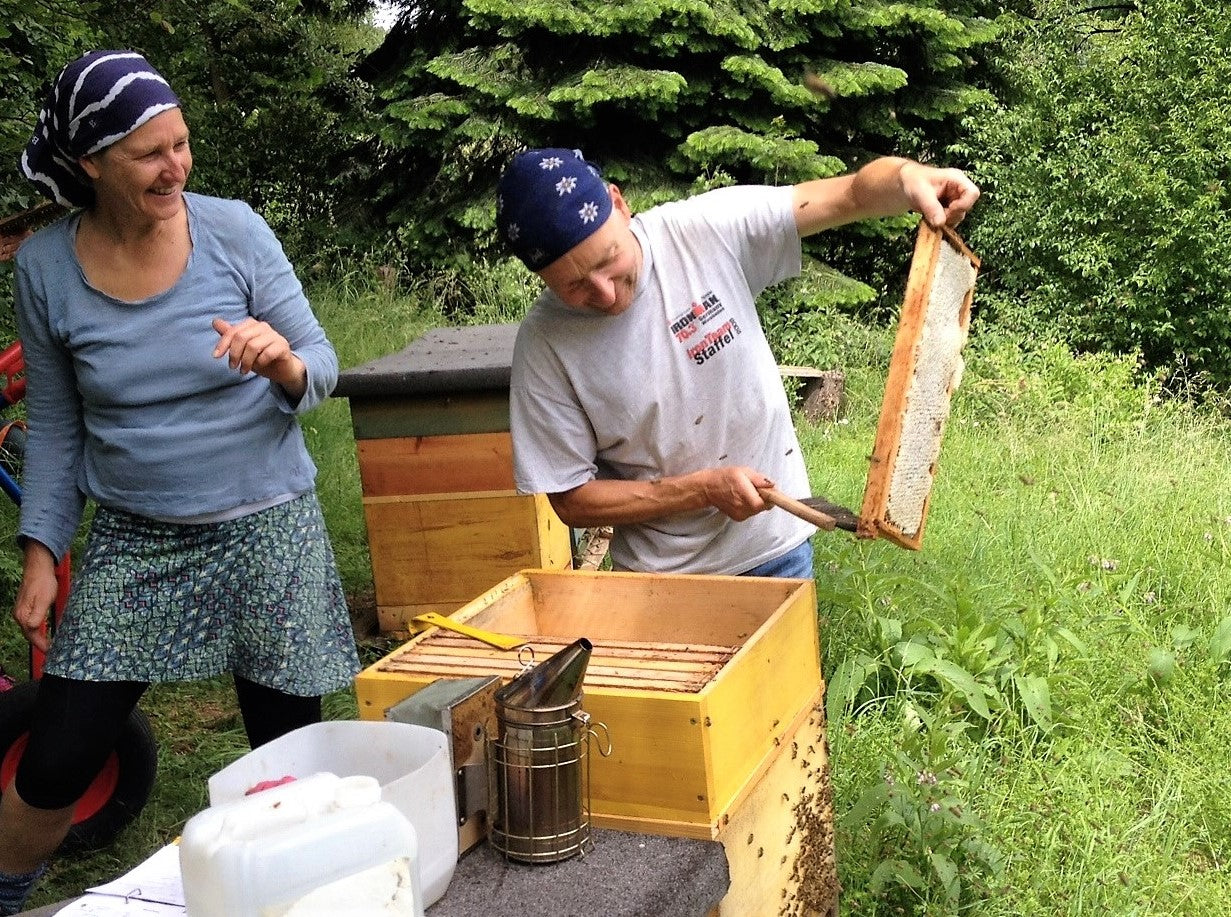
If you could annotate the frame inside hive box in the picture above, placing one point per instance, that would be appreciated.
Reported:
(696, 678)
(924, 371)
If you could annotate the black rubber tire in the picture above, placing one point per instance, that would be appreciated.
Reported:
(136, 755)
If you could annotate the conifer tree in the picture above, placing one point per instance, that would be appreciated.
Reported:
(667, 95)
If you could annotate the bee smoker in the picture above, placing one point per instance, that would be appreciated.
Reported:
(540, 761)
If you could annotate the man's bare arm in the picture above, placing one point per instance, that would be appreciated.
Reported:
(732, 491)
(889, 186)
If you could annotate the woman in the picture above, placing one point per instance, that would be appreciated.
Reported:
(168, 348)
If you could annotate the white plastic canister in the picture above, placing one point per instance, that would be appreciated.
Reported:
(411, 763)
(321, 845)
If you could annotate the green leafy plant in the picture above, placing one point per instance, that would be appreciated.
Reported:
(982, 657)
(1109, 168)
(929, 845)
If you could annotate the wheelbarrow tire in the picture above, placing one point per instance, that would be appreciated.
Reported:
(115, 798)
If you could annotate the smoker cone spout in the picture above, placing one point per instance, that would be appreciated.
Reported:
(555, 682)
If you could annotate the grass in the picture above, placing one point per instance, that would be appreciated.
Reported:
(1109, 512)
(1078, 540)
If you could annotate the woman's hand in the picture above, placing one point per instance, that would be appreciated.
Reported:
(254, 346)
(36, 594)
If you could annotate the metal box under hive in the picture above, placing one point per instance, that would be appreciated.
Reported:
(698, 679)
(444, 519)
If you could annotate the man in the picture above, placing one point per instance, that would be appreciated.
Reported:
(644, 394)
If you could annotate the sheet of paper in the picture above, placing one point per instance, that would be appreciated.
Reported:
(154, 881)
(95, 905)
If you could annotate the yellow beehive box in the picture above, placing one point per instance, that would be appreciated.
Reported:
(444, 520)
(435, 552)
(697, 679)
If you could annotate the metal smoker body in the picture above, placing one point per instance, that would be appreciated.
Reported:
(540, 761)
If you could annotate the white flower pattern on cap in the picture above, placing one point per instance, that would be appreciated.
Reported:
(551, 162)
(566, 185)
(588, 212)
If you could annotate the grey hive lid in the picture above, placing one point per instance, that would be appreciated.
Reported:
(442, 361)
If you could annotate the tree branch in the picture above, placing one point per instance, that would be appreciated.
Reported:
(1105, 7)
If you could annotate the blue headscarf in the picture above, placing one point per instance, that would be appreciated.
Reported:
(96, 100)
(549, 201)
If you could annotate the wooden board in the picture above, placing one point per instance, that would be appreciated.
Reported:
(36, 217)
(438, 550)
(924, 371)
(753, 701)
(779, 838)
(415, 465)
(668, 609)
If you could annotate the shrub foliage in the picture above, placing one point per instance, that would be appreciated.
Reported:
(1109, 181)
(266, 87)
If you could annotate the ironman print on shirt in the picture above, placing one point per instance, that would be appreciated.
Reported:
(702, 331)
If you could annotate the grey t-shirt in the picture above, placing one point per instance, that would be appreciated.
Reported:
(682, 380)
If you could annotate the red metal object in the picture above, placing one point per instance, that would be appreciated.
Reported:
(101, 789)
(12, 372)
(13, 380)
(121, 788)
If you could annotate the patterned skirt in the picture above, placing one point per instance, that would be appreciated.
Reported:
(257, 596)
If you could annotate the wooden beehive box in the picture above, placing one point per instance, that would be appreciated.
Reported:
(444, 520)
(697, 679)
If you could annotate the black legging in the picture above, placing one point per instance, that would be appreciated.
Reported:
(76, 724)
(269, 713)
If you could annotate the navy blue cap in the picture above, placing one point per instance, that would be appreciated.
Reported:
(549, 201)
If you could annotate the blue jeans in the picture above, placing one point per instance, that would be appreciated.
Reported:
(794, 564)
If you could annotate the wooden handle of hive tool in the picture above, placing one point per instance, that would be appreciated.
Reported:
(796, 508)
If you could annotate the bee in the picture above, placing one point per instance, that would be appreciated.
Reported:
(819, 86)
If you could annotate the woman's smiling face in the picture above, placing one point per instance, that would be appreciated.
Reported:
(141, 176)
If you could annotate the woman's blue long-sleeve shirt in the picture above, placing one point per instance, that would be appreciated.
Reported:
(126, 403)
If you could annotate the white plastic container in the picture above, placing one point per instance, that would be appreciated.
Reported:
(321, 845)
(410, 762)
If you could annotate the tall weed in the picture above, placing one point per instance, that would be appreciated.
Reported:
(919, 828)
